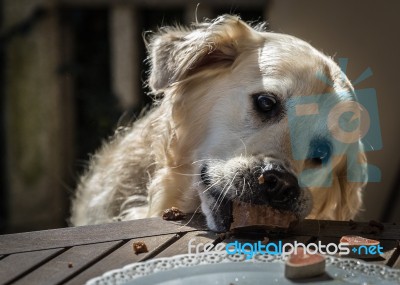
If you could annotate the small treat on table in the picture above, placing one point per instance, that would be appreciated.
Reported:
(302, 265)
(139, 247)
(245, 215)
(354, 244)
(173, 214)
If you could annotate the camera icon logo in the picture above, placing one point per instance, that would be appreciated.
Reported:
(349, 122)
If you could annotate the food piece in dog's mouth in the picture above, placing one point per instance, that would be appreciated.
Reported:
(247, 215)
(261, 179)
(303, 265)
(139, 247)
(173, 214)
(359, 246)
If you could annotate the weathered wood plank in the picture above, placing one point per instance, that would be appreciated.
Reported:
(395, 257)
(68, 263)
(156, 226)
(15, 265)
(181, 245)
(73, 236)
(340, 228)
(396, 261)
(268, 239)
(119, 258)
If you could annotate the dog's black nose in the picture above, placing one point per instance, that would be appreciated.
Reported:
(278, 186)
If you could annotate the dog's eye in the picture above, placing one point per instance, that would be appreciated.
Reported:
(321, 152)
(265, 102)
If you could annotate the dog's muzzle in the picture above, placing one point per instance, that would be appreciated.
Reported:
(259, 183)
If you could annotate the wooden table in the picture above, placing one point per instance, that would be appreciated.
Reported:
(74, 255)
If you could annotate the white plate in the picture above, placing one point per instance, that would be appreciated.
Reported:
(219, 268)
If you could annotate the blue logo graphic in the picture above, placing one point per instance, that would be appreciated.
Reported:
(329, 126)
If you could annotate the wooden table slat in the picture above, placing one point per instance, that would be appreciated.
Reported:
(73, 236)
(43, 257)
(181, 246)
(119, 258)
(68, 263)
(339, 228)
(286, 239)
(15, 265)
(395, 258)
(396, 263)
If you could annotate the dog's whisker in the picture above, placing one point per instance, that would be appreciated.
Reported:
(187, 174)
(244, 182)
(227, 190)
(220, 194)
(208, 188)
(244, 145)
(207, 159)
(251, 190)
(177, 166)
(191, 218)
(369, 144)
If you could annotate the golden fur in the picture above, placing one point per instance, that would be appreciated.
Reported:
(206, 75)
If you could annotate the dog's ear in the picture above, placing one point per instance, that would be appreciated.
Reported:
(343, 199)
(176, 53)
(352, 180)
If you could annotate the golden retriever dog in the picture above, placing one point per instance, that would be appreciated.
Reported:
(226, 91)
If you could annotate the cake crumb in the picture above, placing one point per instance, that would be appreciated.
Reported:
(261, 179)
(139, 247)
(173, 214)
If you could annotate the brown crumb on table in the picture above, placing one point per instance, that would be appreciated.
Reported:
(139, 247)
(173, 214)
(70, 265)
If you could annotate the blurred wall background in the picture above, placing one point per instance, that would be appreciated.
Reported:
(71, 71)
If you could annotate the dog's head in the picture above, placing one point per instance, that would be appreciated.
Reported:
(234, 92)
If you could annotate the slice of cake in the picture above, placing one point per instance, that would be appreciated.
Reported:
(247, 215)
(360, 246)
(303, 265)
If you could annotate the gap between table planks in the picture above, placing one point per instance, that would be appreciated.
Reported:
(16, 265)
(122, 256)
(67, 237)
